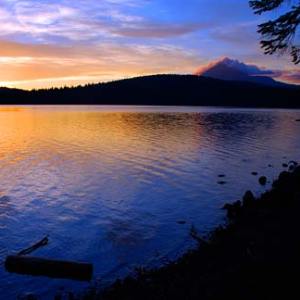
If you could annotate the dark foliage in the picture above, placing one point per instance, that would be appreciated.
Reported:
(278, 35)
(162, 90)
(262, 6)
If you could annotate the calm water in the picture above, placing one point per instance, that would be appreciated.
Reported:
(109, 185)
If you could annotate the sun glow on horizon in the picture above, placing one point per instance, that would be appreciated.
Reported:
(66, 43)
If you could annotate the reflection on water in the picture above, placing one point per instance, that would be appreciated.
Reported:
(109, 184)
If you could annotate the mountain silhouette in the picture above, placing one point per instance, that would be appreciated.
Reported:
(162, 90)
(230, 69)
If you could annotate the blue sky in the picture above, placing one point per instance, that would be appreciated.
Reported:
(53, 43)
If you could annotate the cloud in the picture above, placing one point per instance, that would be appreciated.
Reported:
(290, 76)
(31, 20)
(44, 43)
(31, 66)
(78, 20)
(247, 69)
(237, 35)
(148, 30)
(69, 42)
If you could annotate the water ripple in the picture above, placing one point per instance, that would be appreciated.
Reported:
(110, 186)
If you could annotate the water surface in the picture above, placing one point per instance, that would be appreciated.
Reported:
(110, 185)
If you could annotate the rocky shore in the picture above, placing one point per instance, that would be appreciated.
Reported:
(255, 256)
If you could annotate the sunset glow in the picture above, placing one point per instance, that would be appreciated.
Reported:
(63, 42)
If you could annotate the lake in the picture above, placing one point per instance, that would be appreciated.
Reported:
(121, 187)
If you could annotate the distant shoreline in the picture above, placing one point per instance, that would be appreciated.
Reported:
(161, 90)
(144, 108)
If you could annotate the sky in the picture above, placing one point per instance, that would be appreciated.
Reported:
(69, 42)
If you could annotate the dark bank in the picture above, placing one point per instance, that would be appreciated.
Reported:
(179, 90)
(255, 256)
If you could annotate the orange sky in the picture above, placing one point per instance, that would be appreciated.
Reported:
(63, 42)
(30, 66)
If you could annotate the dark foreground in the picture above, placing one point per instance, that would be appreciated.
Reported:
(256, 256)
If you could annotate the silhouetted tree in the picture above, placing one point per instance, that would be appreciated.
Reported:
(278, 35)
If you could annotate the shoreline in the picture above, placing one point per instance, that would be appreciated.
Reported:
(254, 256)
(162, 89)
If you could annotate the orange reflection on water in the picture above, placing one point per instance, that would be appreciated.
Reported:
(41, 146)
(25, 129)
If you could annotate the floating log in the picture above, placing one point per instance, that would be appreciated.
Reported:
(36, 266)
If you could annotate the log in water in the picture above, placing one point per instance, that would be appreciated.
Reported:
(36, 266)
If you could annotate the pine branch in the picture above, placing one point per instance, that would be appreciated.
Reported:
(261, 6)
(278, 34)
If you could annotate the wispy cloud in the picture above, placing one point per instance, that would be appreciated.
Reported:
(54, 42)
(237, 34)
(81, 41)
(290, 76)
(27, 65)
(152, 30)
(75, 21)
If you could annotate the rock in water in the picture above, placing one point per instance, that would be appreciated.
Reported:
(291, 168)
(181, 222)
(221, 182)
(262, 180)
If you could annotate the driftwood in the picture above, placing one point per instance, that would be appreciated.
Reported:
(29, 265)
(41, 243)
(47, 267)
